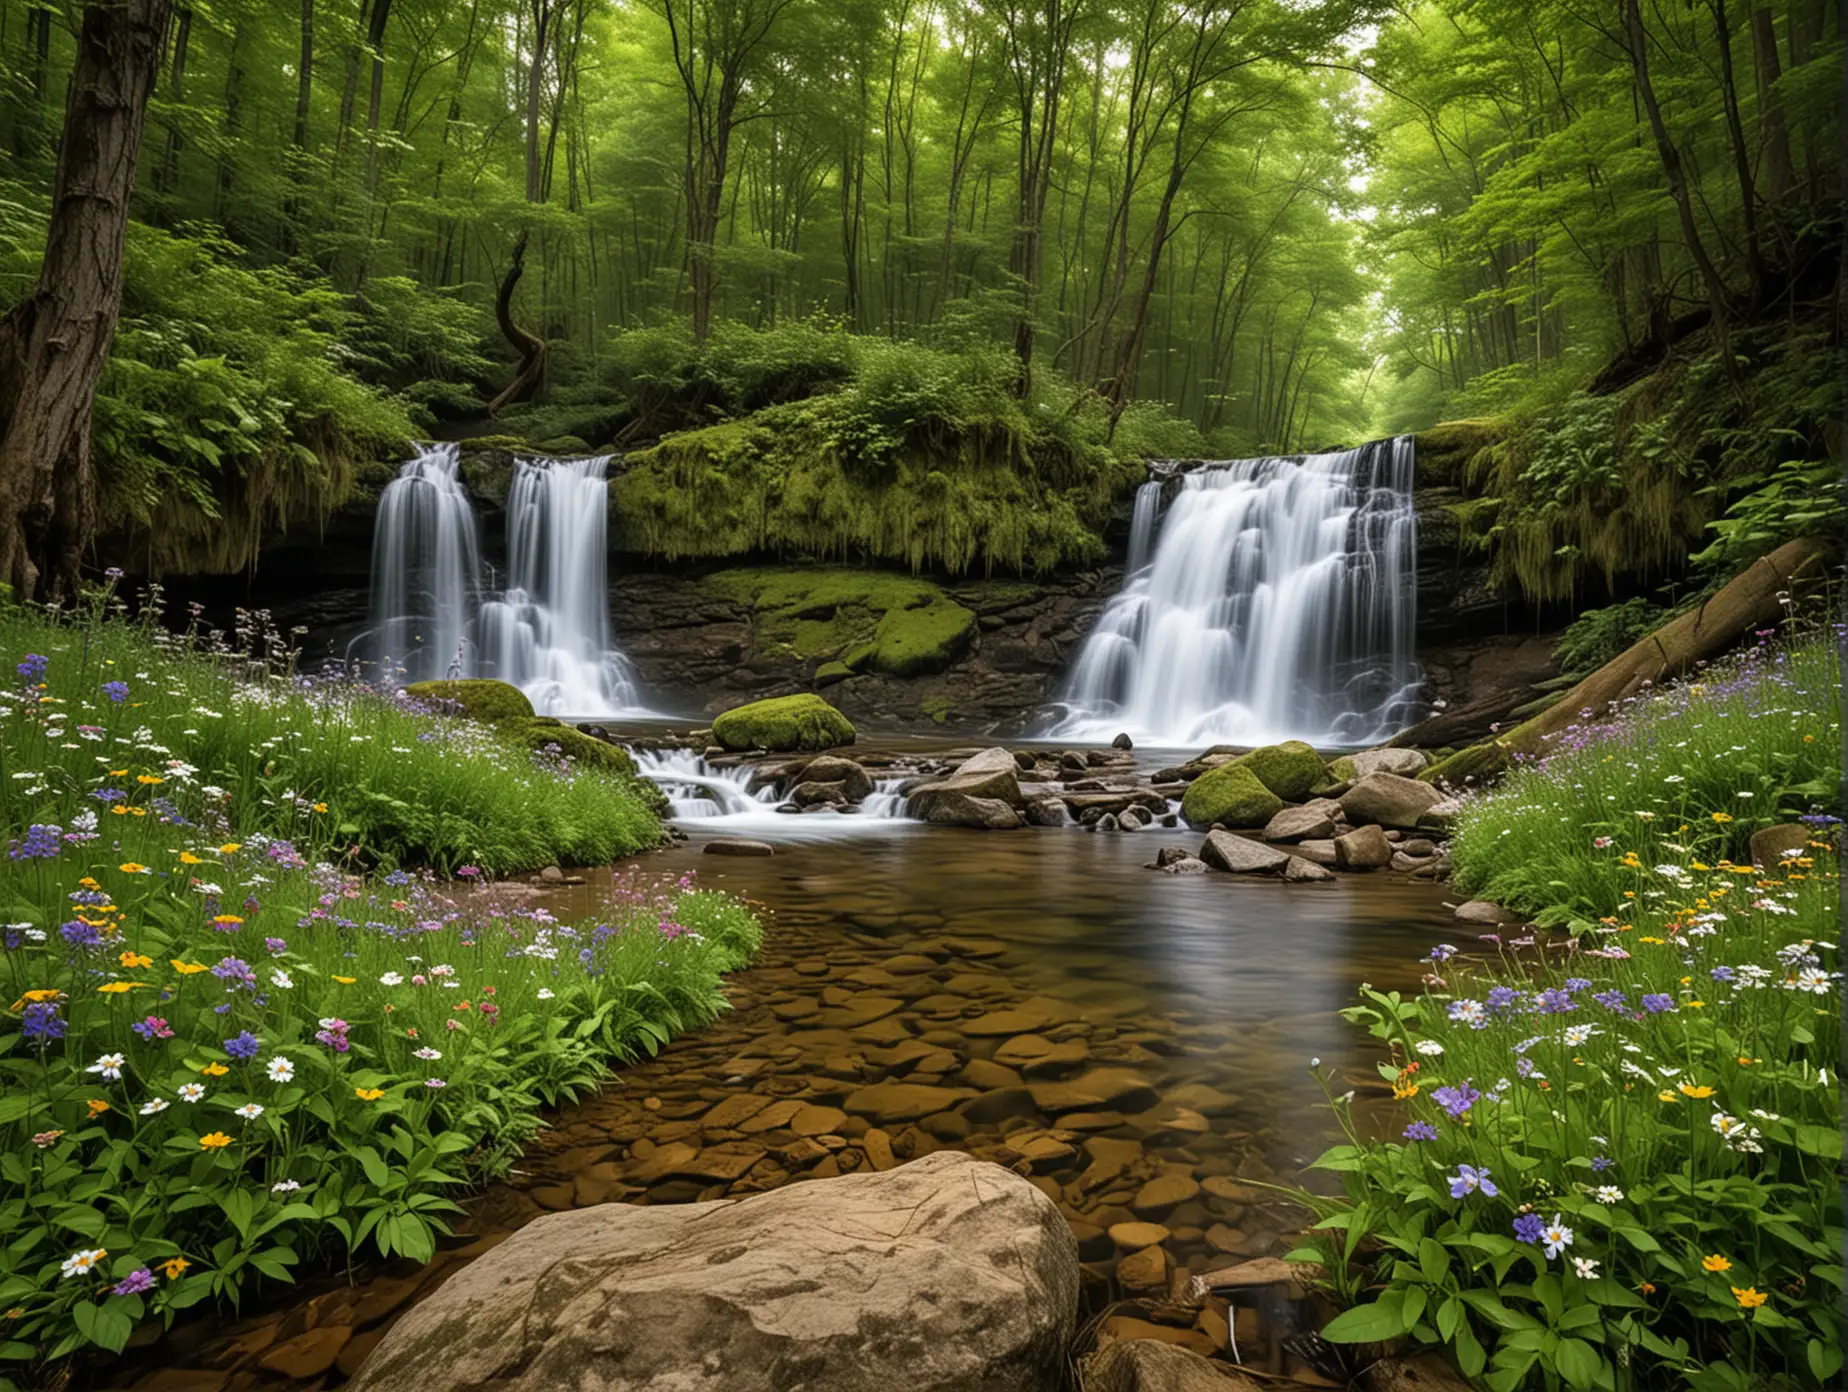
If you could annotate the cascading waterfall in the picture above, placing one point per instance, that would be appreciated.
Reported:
(547, 632)
(1271, 599)
(698, 792)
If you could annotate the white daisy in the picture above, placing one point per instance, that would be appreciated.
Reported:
(281, 1070)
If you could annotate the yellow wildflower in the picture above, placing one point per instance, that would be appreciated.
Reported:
(188, 858)
(215, 1140)
(134, 960)
(42, 994)
(1697, 1090)
(1715, 1264)
(116, 988)
(1665, 1096)
(214, 1070)
(346, 980)
(1750, 1298)
(97, 1106)
(368, 1094)
(175, 1267)
(149, 778)
(229, 847)
(132, 867)
(1722, 817)
(188, 968)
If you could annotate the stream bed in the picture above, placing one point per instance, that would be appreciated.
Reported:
(1138, 1043)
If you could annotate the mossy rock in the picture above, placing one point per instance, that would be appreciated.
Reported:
(563, 445)
(586, 750)
(1443, 452)
(1231, 795)
(1290, 770)
(937, 708)
(831, 672)
(914, 642)
(1478, 761)
(783, 723)
(480, 698)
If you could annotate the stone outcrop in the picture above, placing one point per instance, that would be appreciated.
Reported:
(948, 1274)
(1389, 800)
(984, 792)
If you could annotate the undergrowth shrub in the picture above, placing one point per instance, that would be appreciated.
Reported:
(1598, 635)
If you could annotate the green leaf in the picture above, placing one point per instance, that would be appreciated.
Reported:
(1433, 1260)
(1578, 1362)
(1368, 1324)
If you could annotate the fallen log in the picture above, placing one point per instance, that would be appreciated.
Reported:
(1751, 600)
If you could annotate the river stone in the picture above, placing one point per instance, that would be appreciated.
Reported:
(1037, 1054)
(948, 1274)
(802, 721)
(1418, 846)
(1157, 1365)
(1186, 865)
(738, 846)
(1289, 769)
(806, 794)
(1320, 852)
(1145, 1270)
(1226, 850)
(902, 1101)
(1365, 848)
(1101, 1089)
(1300, 871)
(1030, 1016)
(1484, 914)
(1230, 795)
(1389, 800)
(944, 806)
(1407, 763)
(991, 776)
(1046, 812)
(1311, 821)
(1164, 1192)
(1134, 1236)
(855, 781)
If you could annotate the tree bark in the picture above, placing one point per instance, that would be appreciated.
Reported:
(534, 350)
(54, 343)
(1773, 136)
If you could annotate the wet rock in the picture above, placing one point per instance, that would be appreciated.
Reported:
(1311, 821)
(1225, 850)
(1145, 1357)
(811, 1120)
(1046, 812)
(991, 776)
(949, 807)
(735, 1110)
(1389, 800)
(1365, 848)
(1167, 855)
(306, 1355)
(1407, 763)
(1185, 865)
(1145, 1270)
(1122, 741)
(1289, 769)
(1201, 1097)
(1418, 846)
(853, 779)
(1032, 1015)
(812, 795)
(738, 846)
(1230, 795)
(1300, 871)
(1107, 822)
(1404, 863)
(551, 875)
(1318, 852)
(1098, 1090)
(944, 1275)
(1034, 1054)
(1134, 818)
(1134, 1236)
(1421, 1372)
(1164, 1192)
(1485, 914)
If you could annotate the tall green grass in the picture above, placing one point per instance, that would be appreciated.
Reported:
(374, 778)
(1693, 768)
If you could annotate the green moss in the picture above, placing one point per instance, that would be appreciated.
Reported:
(913, 642)
(479, 698)
(783, 723)
(1443, 452)
(563, 444)
(586, 750)
(937, 708)
(1231, 795)
(830, 672)
(1289, 769)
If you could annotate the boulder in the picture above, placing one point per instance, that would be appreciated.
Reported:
(478, 698)
(782, 723)
(855, 781)
(738, 846)
(1484, 914)
(1227, 850)
(1310, 822)
(1390, 800)
(1289, 769)
(1046, 812)
(1317, 852)
(948, 1274)
(951, 808)
(1155, 1365)
(1230, 795)
(1771, 844)
(1122, 741)
(1407, 763)
(806, 794)
(1186, 865)
(1300, 871)
(991, 776)
(1363, 849)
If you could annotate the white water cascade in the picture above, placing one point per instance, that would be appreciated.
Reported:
(547, 632)
(722, 797)
(1270, 599)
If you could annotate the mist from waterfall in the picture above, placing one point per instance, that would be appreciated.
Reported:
(547, 632)
(1266, 599)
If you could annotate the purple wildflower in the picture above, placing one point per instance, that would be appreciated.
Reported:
(242, 1045)
(235, 970)
(1721, 973)
(42, 1022)
(33, 668)
(1456, 1100)
(1528, 1227)
(1421, 1131)
(1656, 1003)
(1613, 1000)
(80, 934)
(275, 945)
(152, 1028)
(1554, 1002)
(137, 1281)
(1601, 1163)
(1468, 1179)
(116, 691)
(39, 843)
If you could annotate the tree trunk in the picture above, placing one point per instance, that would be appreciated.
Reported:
(304, 78)
(534, 350)
(1773, 137)
(169, 173)
(54, 343)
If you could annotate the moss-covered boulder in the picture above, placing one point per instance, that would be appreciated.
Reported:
(1289, 769)
(916, 642)
(478, 697)
(587, 751)
(783, 723)
(1231, 795)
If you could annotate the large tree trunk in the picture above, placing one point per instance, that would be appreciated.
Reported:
(53, 343)
(535, 352)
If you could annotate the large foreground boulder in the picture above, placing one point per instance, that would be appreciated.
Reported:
(783, 723)
(1151, 1365)
(948, 1274)
(1231, 795)
(1289, 769)
(993, 776)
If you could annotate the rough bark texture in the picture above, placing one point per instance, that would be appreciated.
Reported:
(53, 344)
(1751, 600)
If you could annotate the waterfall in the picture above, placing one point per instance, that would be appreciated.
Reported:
(1273, 598)
(698, 792)
(547, 632)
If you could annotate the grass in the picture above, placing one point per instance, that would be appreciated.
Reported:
(1751, 743)
(225, 1055)
(383, 780)
(1618, 1155)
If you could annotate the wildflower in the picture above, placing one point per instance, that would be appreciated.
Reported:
(149, 779)
(435, 1083)
(545, 993)
(188, 968)
(1578, 1034)
(42, 1022)
(228, 921)
(152, 1028)
(116, 691)
(214, 1070)
(1468, 1179)
(368, 1094)
(1456, 1100)
(392, 978)
(1586, 1268)
(1421, 1131)
(45, 1140)
(1813, 980)
(135, 961)
(1715, 1264)
(81, 1263)
(427, 1053)
(282, 981)
(1400, 1091)
(280, 1070)
(1722, 818)
(1608, 1194)
(1528, 1227)
(137, 1281)
(242, 1045)
(154, 1106)
(174, 1267)
(1554, 1002)
(1695, 1090)
(116, 988)
(250, 1111)
(1750, 1298)
(1665, 1096)
(191, 1092)
(1556, 1238)
(32, 669)
(1601, 842)
(1656, 1003)
(132, 867)
(215, 1140)
(285, 1186)
(97, 1106)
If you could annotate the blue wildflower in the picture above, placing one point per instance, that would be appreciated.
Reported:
(33, 668)
(116, 691)
(242, 1045)
(1421, 1131)
(1528, 1227)
(1456, 1100)
(42, 1022)
(1656, 1003)
(1467, 1179)
(39, 843)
